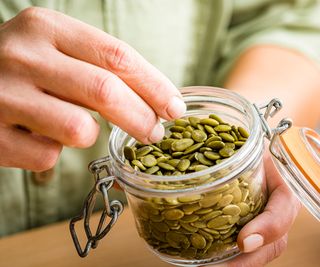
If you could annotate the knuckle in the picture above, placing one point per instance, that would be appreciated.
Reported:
(32, 16)
(47, 158)
(120, 58)
(102, 90)
(78, 130)
(277, 248)
(275, 229)
(148, 124)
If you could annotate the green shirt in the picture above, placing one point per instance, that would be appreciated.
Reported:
(193, 42)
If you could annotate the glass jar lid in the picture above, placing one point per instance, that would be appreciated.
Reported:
(297, 151)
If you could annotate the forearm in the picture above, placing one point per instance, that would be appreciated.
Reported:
(266, 72)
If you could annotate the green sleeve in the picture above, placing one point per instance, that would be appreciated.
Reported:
(293, 24)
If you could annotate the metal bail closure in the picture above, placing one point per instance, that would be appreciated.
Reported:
(296, 154)
(103, 182)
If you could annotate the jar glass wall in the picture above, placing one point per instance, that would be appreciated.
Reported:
(194, 219)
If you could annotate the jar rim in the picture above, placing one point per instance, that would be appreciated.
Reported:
(244, 153)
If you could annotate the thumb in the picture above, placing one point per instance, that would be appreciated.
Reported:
(273, 223)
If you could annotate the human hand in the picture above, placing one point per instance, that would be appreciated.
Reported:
(265, 237)
(51, 66)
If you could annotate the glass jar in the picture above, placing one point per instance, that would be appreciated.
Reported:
(192, 219)
(195, 218)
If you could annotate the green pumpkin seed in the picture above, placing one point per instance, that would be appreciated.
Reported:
(222, 128)
(182, 144)
(216, 145)
(209, 121)
(204, 149)
(203, 160)
(194, 121)
(189, 128)
(212, 155)
(239, 143)
(176, 135)
(186, 134)
(226, 137)
(237, 195)
(216, 117)
(218, 221)
(156, 218)
(189, 227)
(152, 170)
(143, 151)
(232, 210)
(226, 152)
(198, 241)
(244, 208)
(166, 166)
(243, 132)
(183, 165)
(138, 163)
(193, 148)
(213, 138)
(210, 200)
(190, 208)
(149, 161)
(173, 214)
(211, 215)
(203, 211)
(206, 235)
(181, 122)
(160, 226)
(189, 199)
(178, 129)
(199, 224)
(166, 144)
(231, 145)
(225, 200)
(210, 129)
(173, 162)
(199, 136)
(190, 218)
(129, 153)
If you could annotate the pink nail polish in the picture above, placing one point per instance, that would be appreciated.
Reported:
(252, 242)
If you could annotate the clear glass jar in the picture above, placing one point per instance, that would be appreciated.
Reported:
(194, 219)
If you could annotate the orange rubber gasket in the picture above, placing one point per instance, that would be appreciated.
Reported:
(301, 156)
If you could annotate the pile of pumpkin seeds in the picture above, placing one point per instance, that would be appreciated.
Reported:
(195, 226)
(199, 226)
(193, 145)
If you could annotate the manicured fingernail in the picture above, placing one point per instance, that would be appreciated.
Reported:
(252, 242)
(157, 133)
(176, 107)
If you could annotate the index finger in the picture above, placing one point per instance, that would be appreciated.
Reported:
(92, 45)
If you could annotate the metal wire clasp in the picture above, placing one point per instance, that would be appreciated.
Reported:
(103, 182)
(270, 110)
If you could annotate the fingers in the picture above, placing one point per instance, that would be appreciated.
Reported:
(260, 257)
(273, 223)
(48, 116)
(89, 44)
(26, 150)
(91, 86)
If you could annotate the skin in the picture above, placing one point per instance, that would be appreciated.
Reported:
(260, 74)
(49, 74)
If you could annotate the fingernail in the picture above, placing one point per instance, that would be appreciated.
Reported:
(157, 133)
(252, 242)
(176, 107)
